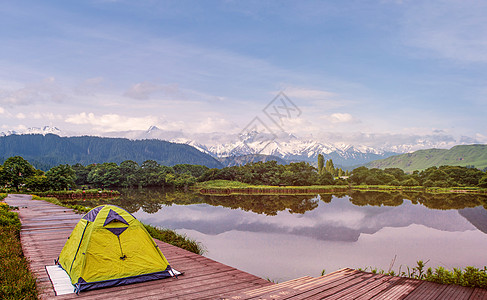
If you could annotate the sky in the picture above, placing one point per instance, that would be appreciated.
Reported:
(341, 71)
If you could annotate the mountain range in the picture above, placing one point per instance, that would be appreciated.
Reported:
(285, 146)
(46, 151)
(227, 147)
(224, 149)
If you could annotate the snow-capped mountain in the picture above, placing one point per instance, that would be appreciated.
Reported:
(34, 130)
(283, 145)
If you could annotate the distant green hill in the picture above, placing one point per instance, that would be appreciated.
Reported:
(51, 150)
(462, 155)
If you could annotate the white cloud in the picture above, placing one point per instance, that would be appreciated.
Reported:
(481, 138)
(46, 116)
(214, 125)
(303, 93)
(20, 127)
(2, 110)
(44, 91)
(111, 122)
(144, 90)
(340, 118)
(20, 116)
(141, 91)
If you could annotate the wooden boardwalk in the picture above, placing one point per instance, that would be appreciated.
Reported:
(45, 228)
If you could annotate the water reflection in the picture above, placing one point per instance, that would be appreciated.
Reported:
(152, 200)
(343, 217)
(259, 234)
(338, 220)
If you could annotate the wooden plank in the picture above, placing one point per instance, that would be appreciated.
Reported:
(478, 294)
(427, 290)
(456, 292)
(325, 286)
(361, 288)
(46, 227)
(284, 288)
(400, 289)
(340, 291)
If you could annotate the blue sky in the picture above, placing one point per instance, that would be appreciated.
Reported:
(359, 71)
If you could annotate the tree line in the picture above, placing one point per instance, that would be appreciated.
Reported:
(443, 176)
(17, 173)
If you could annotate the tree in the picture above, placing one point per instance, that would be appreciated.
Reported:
(153, 174)
(396, 172)
(38, 183)
(130, 173)
(105, 175)
(359, 174)
(330, 167)
(410, 182)
(16, 170)
(194, 170)
(2, 180)
(321, 163)
(61, 177)
(326, 179)
(81, 173)
(483, 182)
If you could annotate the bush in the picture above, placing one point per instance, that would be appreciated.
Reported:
(469, 276)
(16, 281)
(483, 182)
(410, 182)
(8, 218)
(175, 239)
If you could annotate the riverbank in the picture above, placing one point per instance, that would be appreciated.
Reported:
(16, 280)
(80, 194)
(225, 187)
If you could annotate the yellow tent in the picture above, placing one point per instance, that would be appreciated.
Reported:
(110, 247)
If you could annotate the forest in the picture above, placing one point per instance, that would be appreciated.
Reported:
(45, 152)
(16, 173)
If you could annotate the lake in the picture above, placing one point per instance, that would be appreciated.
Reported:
(285, 237)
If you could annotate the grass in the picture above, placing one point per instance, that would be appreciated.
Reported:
(179, 240)
(222, 184)
(166, 235)
(16, 280)
(80, 194)
(227, 187)
(468, 276)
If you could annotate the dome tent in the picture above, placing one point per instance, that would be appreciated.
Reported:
(110, 247)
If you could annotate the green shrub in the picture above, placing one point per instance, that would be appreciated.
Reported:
(175, 239)
(16, 281)
(469, 276)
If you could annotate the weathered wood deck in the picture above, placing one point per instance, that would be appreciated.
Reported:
(45, 228)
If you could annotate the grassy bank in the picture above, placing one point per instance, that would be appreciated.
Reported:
(16, 280)
(166, 235)
(179, 240)
(469, 276)
(80, 194)
(226, 187)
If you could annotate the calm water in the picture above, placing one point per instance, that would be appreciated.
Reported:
(284, 237)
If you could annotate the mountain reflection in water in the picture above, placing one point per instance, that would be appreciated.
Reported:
(282, 237)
